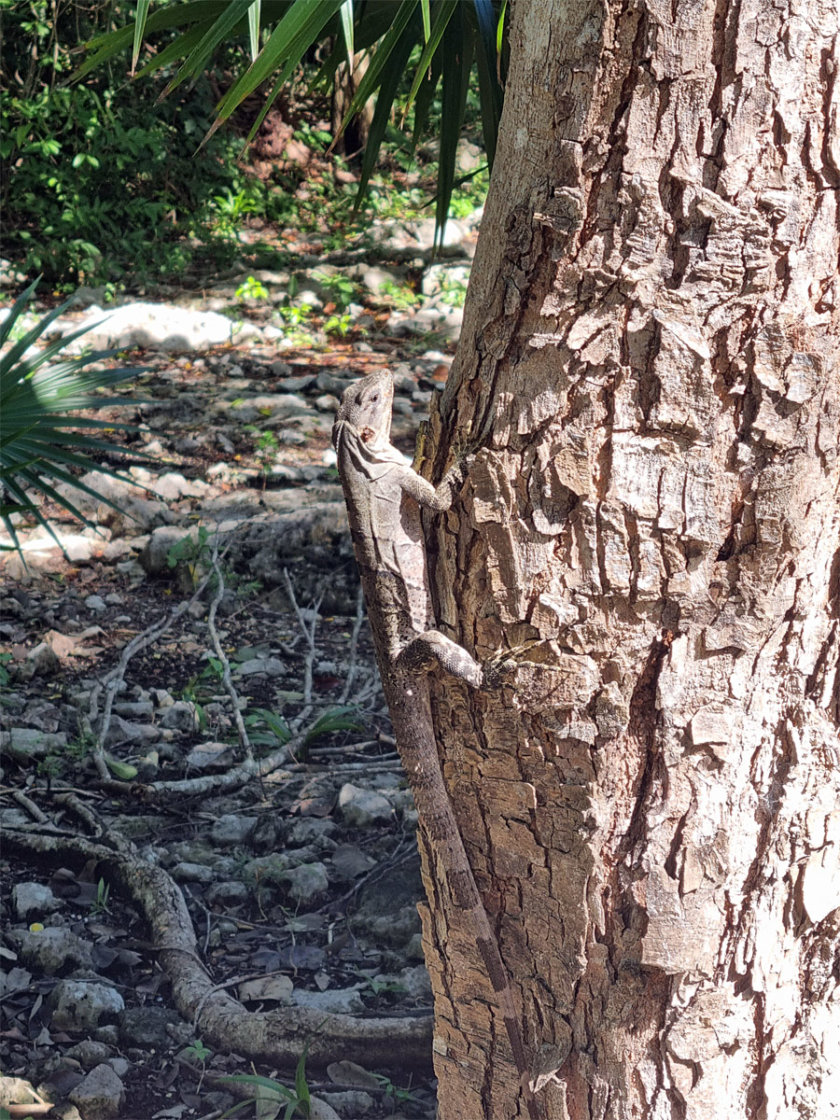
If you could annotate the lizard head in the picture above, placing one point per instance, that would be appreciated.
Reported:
(366, 405)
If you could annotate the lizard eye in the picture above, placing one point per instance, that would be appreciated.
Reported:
(374, 398)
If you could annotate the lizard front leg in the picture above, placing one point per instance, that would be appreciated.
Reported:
(432, 647)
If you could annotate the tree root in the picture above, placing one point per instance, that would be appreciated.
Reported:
(277, 1037)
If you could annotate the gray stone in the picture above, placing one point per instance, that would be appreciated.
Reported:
(52, 950)
(146, 1026)
(100, 1095)
(134, 709)
(79, 1005)
(33, 899)
(229, 892)
(253, 410)
(415, 982)
(349, 1102)
(172, 487)
(331, 383)
(307, 881)
(293, 384)
(89, 1053)
(363, 807)
(192, 873)
(266, 870)
(211, 756)
(96, 603)
(232, 829)
(339, 1001)
(326, 402)
(271, 666)
(180, 716)
(316, 831)
(123, 731)
(25, 743)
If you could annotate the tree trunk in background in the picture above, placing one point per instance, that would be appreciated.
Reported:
(648, 371)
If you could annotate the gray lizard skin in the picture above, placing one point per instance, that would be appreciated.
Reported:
(383, 496)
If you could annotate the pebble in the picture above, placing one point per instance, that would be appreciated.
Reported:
(307, 881)
(89, 1053)
(231, 829)
(78, 1005)
(339, 1001)
(96, 603)
(25, 743)
(33, 899)
(180, 716)
(363, 807)
(100, 1095)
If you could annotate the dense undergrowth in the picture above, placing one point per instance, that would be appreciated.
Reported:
(105, 184)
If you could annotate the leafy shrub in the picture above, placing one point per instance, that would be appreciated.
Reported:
(97, 180)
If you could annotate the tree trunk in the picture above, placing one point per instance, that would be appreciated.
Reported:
(651, 519)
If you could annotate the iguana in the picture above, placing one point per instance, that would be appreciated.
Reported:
(383, 496)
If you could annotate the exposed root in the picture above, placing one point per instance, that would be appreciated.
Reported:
(277, 1037)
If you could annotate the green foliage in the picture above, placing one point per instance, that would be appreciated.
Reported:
(342, 289)
(435, 49)
(266, 449)
(99, 906)
(343, 717)
(41, 443)
(251, 288)
(5, 675)
(197, 1051)
(191, 554)
(400, 296)
(97, 181)
(269, 1092)
(267, 729)
(338, 325)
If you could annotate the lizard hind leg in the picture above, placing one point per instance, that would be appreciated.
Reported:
(431, 647)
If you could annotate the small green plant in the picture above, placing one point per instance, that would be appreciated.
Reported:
(339, 325)
(292, 320)
(197, 1053)
(266, 728)
(378, 986)
(5, 675)
(99, 905)
(393, 1093)
(342, 290)
(270, 1092)
(266, 450)
(343, 717)
(400, 296)
(192, 553)
(251, 288)
(453, 291)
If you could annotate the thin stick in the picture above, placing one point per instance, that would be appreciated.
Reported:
(354, 642)
(244, 740)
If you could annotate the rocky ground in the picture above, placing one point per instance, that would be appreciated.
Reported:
(209, 860)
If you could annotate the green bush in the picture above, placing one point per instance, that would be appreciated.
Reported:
(98, 181)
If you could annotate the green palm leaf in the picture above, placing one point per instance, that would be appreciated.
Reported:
(41, 445)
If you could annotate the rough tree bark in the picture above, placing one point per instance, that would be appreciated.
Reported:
(648, 371)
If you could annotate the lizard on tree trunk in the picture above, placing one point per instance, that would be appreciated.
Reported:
(383, 496)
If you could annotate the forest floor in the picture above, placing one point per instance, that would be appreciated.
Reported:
(123, 747)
